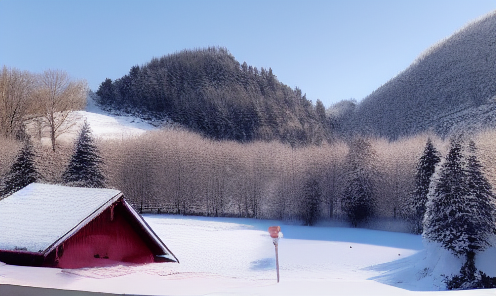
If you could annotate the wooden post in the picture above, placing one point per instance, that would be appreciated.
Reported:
(275, 234)
(277, 260)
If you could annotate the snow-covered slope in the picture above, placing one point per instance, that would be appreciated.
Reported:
(103, 125)
(232, 256)
(107, 126)
(449, 88)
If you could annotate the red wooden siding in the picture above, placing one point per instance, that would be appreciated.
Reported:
(104, 241)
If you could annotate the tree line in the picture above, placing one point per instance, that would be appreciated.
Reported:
(175, 171)
(209, 92)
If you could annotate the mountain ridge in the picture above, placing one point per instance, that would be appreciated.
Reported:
(455, 73)
(209, 92)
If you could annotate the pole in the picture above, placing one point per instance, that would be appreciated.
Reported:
(277, 260)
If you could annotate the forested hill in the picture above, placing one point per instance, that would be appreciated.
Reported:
(449, 88)
(210, 92)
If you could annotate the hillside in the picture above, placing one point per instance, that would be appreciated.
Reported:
(451, 87)
(208, 91)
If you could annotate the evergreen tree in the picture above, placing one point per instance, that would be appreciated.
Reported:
(312, 196)
(425, 169)
(481, 200)
(460, 214)
(106, 92)
(84, 168)
(447, 215)
(358, 198)
(321, 112)
(23, 171)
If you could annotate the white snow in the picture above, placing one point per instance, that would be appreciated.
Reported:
(103, 125)
(38, 215)
(106, 126)
(229, 256)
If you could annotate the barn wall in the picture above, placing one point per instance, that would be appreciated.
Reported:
(103, 242)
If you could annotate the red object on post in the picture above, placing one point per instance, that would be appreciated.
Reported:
(274, 231)
(274, 234)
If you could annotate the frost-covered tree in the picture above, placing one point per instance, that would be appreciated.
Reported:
(460, 212)
(425, 169)
(312, 195)
(447, 214)
(85, 166)
(22, 172)
(358, 198)
(481, 200)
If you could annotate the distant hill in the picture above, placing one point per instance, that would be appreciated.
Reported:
(449, 88)
(208, 91)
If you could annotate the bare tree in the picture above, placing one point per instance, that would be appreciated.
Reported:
(58, 95)
(15, 100)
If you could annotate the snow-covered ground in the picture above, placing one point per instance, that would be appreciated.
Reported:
(103, 125)
(107, 126)
(230, 256)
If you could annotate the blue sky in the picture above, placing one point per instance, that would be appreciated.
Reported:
(333, 50)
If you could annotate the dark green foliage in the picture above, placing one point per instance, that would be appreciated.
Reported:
(311, 200)
(84, 169)
(469, 278)
(481, 200)
(447, 215)
(460, 212)
(209, 92)
(425, 169)
(23, 172)
(106, 92)
(358, 198)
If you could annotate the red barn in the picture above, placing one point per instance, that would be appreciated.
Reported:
(72, 227)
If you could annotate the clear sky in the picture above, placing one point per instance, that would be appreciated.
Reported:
(331, 49)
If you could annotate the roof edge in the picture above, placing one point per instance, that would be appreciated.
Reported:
(81, 224)
(149, 230)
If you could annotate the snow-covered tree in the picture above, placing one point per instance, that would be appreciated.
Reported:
(84, 168)
(425, 169)
(22, 172)
(481, 200)
(447, 215)
(358, 198)
(460, 213)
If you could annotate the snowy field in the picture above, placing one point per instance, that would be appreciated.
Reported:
(229, 256)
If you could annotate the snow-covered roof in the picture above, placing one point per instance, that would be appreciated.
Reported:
(39, 215)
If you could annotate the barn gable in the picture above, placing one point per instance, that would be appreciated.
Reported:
(68, 227)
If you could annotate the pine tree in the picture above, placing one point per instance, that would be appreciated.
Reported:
(23, 171)
(460, 213)
(312, 195)
(481, 201)
(447, 215)
(358, 198)
(84, 168)
(425, 169)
